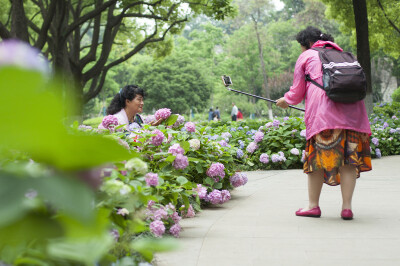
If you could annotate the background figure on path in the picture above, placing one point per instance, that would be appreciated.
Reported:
(126, 106)
(217, 114)
(234, 112)
(210, 114)
(337, 147)
(239, 115)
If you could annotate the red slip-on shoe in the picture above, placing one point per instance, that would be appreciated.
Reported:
(314, 212)
(347, 214)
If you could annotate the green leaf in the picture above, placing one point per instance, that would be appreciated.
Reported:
(199, 168)
(170, 158)
(171, 120)
(209, 181)
(185, 145)
(182, 180)
(148, 246)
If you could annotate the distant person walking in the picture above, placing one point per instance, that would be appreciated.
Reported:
(210, 114)
(337, 147)
(234, 112)
(217, 114)
(239, 115)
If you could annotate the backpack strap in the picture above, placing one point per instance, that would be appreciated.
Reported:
(313, 82)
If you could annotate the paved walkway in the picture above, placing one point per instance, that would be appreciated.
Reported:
(258, 226)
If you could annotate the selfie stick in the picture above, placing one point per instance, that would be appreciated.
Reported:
(262, 98)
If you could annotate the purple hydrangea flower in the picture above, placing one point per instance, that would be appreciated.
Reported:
(385, 125)
(109, 121)
(238, 179)
(175, 230)
(160, 214)
(282, 157)
(264, 158)
(286, 118)
(176, 149)
(190, 127)
(215, 197)
(201, 191)
(240, 128)
(275, 158)
(162, 113)
(150, 204)
(378, 153)
(239, 153)
(251, 147)
(223, 143)
(179, 121)
(303, 133)
(17, 53)
(375, 141)
(225, 196)
(158, 138)
(151, 179)
(31, 194)
(392, 130)
(276, 123)
(269, 124)
(226, 135)
(180, 162)
(295, 151)
(216, 170)
(157, 228)
(258, 136)
(394, 117)
(241, 144)
(303, 156)
(115, 234)
(148, 119)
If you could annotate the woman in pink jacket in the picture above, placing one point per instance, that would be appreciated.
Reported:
(337, 148)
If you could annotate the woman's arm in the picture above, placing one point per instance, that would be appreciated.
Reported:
(298, 90)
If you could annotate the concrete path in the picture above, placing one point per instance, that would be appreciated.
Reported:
(258, 225)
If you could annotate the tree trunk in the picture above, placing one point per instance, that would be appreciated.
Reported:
(19, 23)
(261, 55)
(363, 53)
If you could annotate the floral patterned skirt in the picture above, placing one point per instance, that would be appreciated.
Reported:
(333, 148)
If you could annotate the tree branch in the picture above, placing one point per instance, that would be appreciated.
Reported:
(386, 16)
(4, 33)
(47, 19)
(88, 16)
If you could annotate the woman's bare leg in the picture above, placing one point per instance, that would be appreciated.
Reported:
(315, 182)
(348, 178)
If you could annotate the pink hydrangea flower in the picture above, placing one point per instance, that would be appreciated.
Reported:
(251, 147)
(190, 127)
(162, 113)
(180, 162)
(215, 197)
(157, 228)
(176, 149)
(109, 121)
(216, 170)
(158, 138)
(190, 212)
(303, 133)
(175, 217)
(225, 196)
(160, 214)
(151, 179)
(201, 191)
(264, 158)
(175, 230)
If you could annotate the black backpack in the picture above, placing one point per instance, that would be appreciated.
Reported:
(343, 78)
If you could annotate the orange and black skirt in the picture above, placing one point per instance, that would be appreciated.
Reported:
(333, 148)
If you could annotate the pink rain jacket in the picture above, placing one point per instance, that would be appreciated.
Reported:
(321, 112)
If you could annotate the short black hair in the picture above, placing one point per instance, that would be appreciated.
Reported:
(128, 92)
(312, 34)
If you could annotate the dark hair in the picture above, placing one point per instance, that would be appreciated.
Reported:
(312, 34)
(128, 92)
